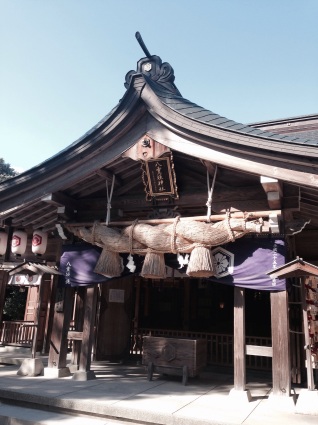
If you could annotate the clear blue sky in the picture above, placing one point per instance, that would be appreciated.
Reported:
(63, 62)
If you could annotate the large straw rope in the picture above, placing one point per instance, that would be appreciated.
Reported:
(177, 237)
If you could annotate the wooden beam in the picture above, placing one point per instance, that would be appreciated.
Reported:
(46, 224)
(30, 213)
(60, 199)
(213, 218)
(106, 175)
(273, 190)
(250, 162)
(133, 183)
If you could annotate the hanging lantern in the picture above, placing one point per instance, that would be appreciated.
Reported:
(39, 242)
(19, 242)
(3, 242)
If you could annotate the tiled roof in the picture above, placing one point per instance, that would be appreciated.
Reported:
(193, 111)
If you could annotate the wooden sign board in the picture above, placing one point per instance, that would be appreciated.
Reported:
(160, 177)
(117, 296)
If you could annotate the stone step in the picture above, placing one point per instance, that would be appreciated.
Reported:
(11, 414)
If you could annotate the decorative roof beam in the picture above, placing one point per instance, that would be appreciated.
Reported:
(109, 177)
(37, 220)
(27, 213)
(273, 189)
(60, 199)
(47, 224)
(128, 186)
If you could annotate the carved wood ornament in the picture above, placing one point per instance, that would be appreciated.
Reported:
(158, 174)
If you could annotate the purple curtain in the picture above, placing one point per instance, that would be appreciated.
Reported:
(251, 259)
(77, 265)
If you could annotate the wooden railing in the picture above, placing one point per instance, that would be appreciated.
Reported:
(219, 346)
(17, 333)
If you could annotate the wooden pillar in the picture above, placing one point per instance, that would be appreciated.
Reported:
(280, 343)
(239, 339)
(147, 297)
(136, 343)
(50, 313)
(58, 340)
(37, 317)
(78, 324)
(84, 372)
(186, 304)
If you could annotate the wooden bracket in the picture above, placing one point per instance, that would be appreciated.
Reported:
(274, 192)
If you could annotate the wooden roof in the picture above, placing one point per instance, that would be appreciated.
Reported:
(295, 268)
(72, 184)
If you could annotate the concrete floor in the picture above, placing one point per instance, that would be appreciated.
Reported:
(122, 393)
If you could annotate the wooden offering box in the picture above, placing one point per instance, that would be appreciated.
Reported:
(174, 356)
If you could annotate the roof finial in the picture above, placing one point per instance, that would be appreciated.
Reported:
(142, 44)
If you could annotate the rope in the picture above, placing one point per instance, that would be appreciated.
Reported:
(93, 232)
(109, 199)
(131, 235)
(228, 223)
(174, 248)
(210, 193)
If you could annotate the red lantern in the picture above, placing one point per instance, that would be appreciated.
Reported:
(39, 242)
(19, 242)
(3, 242)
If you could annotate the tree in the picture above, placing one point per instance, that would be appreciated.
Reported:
(15, 303)
(6, 171)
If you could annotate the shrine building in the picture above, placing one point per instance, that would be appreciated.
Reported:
(160, 229)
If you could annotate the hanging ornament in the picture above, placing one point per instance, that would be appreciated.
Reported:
(183, 260)
(3, 242)
(131, 265)
(39, 242)
(19, 242)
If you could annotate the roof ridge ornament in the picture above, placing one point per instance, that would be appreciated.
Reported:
(152, 67)
(142, 44)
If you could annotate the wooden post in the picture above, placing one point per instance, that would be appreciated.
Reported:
(280, 342)
(37, 317)
(58, 340)
(239, 339)
(78, 324)
(50, 314)
(84, 372)
(186, 304)
(136, 341)
(239, 391)
(310, 373)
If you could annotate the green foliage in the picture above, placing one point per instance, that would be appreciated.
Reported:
(15, 304)
(6, 171)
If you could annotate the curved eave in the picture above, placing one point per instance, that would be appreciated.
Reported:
(93, 150)
(211, 137)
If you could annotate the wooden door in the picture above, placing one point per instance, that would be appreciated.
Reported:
(114, 329)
